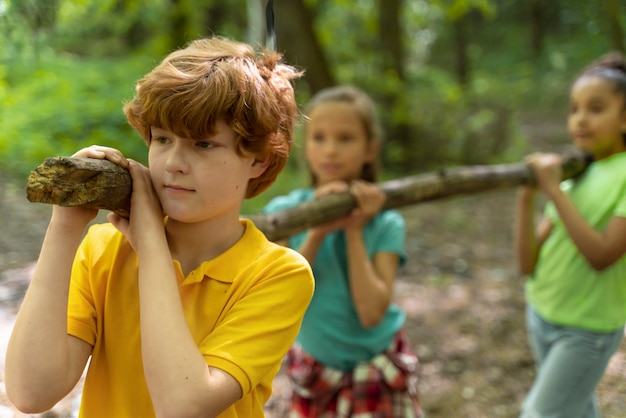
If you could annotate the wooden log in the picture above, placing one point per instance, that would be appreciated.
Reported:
(411, 190)
(93, 183)
(104, 185)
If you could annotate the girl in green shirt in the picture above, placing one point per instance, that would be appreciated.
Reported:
(574, 257)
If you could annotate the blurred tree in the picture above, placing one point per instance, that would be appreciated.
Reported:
(37, 14)
(256, 21)
(449, 76)
(612, 12)
(180, 23)
(537, 23)
(390, 32)
(39, 17)
(296, 38)
(135, 31)
(192, 19)
(465, 16)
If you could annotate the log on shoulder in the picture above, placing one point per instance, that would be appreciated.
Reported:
(412, 190)
(93, 183)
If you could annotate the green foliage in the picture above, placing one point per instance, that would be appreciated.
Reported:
(66, 67)
(79, 21)
(60, 106)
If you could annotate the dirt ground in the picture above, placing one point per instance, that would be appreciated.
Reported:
(463, 300)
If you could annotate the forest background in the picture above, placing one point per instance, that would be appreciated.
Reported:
(454, 79)
(457, 82)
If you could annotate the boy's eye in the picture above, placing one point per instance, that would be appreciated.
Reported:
(346, 138)
(204, 144)
(160, 139)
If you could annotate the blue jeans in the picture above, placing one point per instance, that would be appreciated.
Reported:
(570, 364)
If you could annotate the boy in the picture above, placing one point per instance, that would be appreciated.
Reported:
(183, 309)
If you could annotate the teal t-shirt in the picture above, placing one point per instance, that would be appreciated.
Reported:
(331, 331)
(564, 288)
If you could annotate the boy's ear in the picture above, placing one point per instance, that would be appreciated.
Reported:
(259, 166)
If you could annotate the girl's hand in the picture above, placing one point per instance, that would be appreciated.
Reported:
(548, 171)
(370, 200)
(77, 216)
(146, 214)
(334, 187)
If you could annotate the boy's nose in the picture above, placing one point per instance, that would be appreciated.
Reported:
(176, 161)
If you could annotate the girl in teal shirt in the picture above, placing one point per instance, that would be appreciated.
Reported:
(351, 357)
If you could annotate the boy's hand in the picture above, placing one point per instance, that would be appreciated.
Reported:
(146, 214)
(103, 153)
(334, 187)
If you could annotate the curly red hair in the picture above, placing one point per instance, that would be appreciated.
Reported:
(218, 79)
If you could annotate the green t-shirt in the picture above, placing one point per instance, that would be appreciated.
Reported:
(564, 288)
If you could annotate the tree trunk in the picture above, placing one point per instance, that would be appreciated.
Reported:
(460, 47)
(295, 38)
(537, 24)
(178, 24)
(390, 34)
(392, 48)
(612, 15)
(257, 32)
(104, 185)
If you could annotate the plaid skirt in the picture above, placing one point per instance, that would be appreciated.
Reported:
(384, 387)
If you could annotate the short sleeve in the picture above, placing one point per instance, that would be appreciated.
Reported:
(288, 201)
(391, 234)
(620, 207)
(81, 305)
(257, 331)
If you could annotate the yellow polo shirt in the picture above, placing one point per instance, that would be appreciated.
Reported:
(244, 309)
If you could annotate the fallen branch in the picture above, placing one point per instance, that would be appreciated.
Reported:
(411, 190)
(104, 185)
(97, 184)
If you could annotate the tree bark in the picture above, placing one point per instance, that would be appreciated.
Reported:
(102, 184)
(537, 25)
(461, 42)
(296, 39)
(390, 33)
(616, 32)
(410, 190)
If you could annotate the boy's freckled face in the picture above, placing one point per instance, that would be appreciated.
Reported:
(199, 180)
